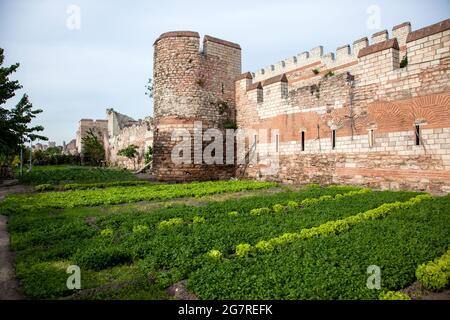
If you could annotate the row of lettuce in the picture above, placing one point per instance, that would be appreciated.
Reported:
(86, 186)
(330, 227)
(116, 195)
(172, 243)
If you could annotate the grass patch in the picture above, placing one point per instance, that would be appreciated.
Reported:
(335, 266)
(139, 248)
(73, 174)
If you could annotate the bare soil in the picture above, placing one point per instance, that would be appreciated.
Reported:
(9, 286)
(417, 292)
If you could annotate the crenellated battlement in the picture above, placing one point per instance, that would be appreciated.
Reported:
(374, 113)
(192, 82)
(343, 55)
(363, 114)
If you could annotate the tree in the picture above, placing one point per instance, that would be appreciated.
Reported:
(14, 122)
(130, 152)
(52, 151)
(148, 155)
(92, 151)
(149, 88)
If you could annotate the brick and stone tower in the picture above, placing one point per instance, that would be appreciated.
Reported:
(192, 86)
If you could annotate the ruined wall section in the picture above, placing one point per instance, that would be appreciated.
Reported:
(141, 135)
(98, 127)
(192, 85)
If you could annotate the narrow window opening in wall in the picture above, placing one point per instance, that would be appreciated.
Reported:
(333, 139)
(254, 140)
(417, 131)
(259, 96)
(284, 91)
(223, 88)
(277, 143)
(371, 138)
(303, 140)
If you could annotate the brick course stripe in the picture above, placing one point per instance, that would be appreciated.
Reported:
(404, 24)
(279, 78)
(324, 72)
(428, 174)
(222, 42)
(246, 75)
(428, 31)
(388, 44)
(176, 34)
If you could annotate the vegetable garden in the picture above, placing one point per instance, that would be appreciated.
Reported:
(303, 243)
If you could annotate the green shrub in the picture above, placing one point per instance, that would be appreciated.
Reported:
(233, 213)
(198, 219)
(44, 280)
(170, 222)
(215, 254)
(107, 232)
(435, 275)
(404, 61)
(313, 201)
(102, 257)
(264, 246)
(243, 249)
(140, 228)
(292, 204)
(393, 295)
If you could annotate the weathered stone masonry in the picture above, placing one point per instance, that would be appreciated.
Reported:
(391, 125)
(192, 85)
(117, 132)
(377, 109)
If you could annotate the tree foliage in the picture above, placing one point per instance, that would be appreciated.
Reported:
(130, 152)
(92, 151)
(149, 88)
(15, 127)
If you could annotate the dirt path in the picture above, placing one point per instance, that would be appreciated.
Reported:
(8, 283)
(6, 189)
(9, 286)
(417, 292)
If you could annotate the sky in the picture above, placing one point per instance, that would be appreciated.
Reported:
(79, 57)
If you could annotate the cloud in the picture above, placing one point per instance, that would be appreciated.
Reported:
(74, 74)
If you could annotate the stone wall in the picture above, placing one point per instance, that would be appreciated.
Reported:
(117, 132)
(192, 84)
(124, 131)
(377, 111)
(98, 127)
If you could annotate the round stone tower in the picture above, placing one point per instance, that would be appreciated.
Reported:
(194, 90)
